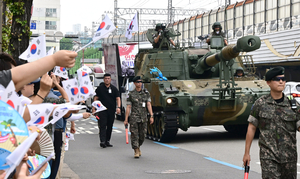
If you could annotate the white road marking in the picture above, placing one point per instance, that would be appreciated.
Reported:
(212, 129)
(117, 131)
(81, 128)
(89, 132)
(92, 122)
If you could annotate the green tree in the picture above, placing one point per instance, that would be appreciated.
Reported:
(20, 26)
(65, 44)
(9, 124)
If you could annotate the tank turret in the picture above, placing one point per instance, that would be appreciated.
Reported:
(244, 44)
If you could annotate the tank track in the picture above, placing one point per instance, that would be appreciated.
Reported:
(164, 128)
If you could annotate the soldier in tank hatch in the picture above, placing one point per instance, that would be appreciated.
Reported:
(217, 31)
(158, 36)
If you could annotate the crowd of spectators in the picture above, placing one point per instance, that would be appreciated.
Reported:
(36, 84)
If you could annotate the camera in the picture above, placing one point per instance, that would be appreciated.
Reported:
(160, 26)
(163, 26)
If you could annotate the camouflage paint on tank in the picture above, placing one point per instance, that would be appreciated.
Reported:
(201, 88)
(196, 100)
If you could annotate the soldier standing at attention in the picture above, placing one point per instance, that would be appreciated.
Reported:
(137, 102)
(277, 123)
(217, 27)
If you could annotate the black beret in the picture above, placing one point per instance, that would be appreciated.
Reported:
(274, 72)
(136, 78)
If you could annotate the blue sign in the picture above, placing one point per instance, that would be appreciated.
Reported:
(33, 26)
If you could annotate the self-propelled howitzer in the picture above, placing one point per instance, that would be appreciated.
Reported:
(200, 88)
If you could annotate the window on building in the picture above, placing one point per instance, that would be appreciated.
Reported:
(51, 12)
(50, 25)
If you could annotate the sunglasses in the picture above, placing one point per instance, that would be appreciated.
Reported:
(139, 82)
(278, 79)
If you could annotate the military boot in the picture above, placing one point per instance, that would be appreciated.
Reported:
(140, 153)
(136, 153)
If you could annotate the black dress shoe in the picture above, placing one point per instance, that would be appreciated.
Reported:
(108, 144)
(102, 144)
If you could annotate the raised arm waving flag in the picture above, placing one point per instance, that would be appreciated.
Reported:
(104, 29)
(133, 27)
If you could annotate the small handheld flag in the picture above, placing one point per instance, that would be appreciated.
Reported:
(104, 29)
(86, 89)
(10, 97)
(126, 133)
(39, 113)
(61, 71)
(99, 106)
(36, 50)
(71, 87)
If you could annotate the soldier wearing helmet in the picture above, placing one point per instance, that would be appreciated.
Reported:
(217, 27)
(239, 72)
(157, 38)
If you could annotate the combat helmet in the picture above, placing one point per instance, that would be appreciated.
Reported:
(239, 68)
(217, 24)
(158, 26)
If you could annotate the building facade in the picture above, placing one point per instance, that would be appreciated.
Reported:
(46, 20)
(76, 28)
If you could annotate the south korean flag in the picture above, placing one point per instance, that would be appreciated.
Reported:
(10, 97)
(61, 71)
(72, 89)
(39, 113)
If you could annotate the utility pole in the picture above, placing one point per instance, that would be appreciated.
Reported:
(170, 12)
(116, 13)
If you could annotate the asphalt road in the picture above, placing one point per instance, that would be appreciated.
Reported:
(181, 159)
(202, 152)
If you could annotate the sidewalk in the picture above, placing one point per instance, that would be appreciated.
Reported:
(67, 173)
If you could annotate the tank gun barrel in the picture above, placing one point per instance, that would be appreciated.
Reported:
(244, 44)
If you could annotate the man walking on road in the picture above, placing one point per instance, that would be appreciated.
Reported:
(137, 101)
(110, 98)
(277, 123)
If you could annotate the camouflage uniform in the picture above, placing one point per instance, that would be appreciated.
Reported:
(277, 141)
(138, 117)
(215, 34)
(156, 45)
